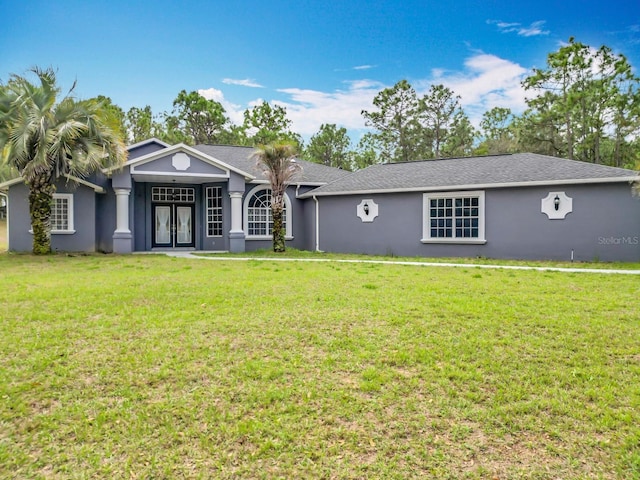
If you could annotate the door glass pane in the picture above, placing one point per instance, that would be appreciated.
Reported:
(163, 219)
(184, 224)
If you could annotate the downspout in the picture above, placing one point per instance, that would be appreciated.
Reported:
(315, 199)
(317, 232)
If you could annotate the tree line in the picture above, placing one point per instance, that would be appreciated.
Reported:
(583, 105)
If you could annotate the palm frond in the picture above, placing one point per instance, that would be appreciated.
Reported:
(41, 135)
(277, 163)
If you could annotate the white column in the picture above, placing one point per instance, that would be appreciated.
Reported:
(122, 210)
(236, 212)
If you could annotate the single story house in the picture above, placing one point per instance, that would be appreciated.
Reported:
(212, 198)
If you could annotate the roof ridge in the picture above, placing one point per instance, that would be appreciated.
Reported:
(221, 145)
(424, 160)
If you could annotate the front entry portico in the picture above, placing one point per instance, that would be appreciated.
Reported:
(179, 198)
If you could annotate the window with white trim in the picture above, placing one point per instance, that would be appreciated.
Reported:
(258, 220)
(453, 217)
(214, 211)
(62, 213)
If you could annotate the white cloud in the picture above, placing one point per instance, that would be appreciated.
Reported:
(234, 111)
(363, 67)
(506, 25)
(487, 81)
(536, 28)
(308, 109)
(212, 94)
(484, 82)
(246, 82)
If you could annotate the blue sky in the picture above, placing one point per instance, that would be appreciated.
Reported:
(323, 60)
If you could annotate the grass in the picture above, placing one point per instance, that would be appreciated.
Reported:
(304, 254)
(156, 367)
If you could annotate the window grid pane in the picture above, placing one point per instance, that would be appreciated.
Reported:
(454, 217)
(173, 194)
(60, 214)
(259, 218)
(214, 211)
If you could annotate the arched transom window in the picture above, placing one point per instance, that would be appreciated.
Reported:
(258, 221)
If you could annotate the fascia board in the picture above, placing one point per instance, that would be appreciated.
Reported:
(146, 142)
(292, 184)
(93, 186)
(539, 183)
(10, 183)
(96, 188)
(177, 148)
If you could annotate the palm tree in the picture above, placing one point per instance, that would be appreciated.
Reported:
(44, 140)
(277, 162)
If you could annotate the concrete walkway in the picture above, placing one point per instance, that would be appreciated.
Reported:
(218, 257)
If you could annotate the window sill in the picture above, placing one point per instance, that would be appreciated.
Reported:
(58, 232)
(455, 241)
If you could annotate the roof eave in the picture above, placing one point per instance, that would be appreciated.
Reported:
(175, 148)
(147, 142)
(476, 186)
(96, 188)
(4, 186)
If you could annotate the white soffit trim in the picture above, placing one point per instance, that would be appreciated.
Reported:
(145, 173)
(10, 183)
(93, 186)
(292, 184)
(181, 147)
(96, 188)
(477, 186)
(147, 142)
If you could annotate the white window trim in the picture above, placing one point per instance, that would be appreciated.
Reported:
(206, 209)
(70, 226)
(426, 224)
(245, 213)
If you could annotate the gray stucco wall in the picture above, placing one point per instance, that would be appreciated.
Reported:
(236, 182)
(309, 225)
(105, 220)
(140, 223)
(164, 164)
(144, 150)
(84, 214)
(604, 225)
(121, 178)
(309, 220)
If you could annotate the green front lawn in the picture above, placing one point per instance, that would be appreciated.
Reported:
(305, 255)
(156, 367)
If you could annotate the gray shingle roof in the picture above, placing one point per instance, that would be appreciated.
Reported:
(240, 158)
(486, 172)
